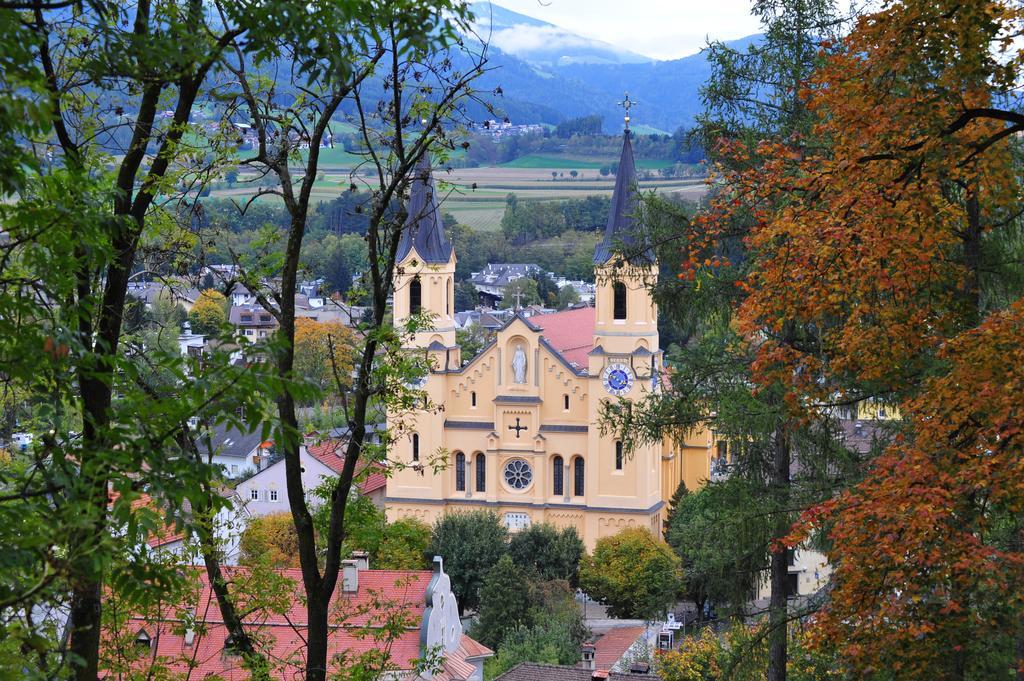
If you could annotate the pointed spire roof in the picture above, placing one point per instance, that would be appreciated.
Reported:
(620, 229)
(424, 228)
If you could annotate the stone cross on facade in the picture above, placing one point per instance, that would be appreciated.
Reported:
(517, 428)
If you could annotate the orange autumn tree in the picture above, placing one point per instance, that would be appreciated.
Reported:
(897, 241)
(324, 353)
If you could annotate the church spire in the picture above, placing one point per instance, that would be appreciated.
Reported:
(619, 232)
(424, 228)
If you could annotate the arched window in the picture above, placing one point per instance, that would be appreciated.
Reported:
(415, 446)
(415, 296)
(472, 399)
(481, 473)
(618, 455)
(578, 476)
(565, 402)
(557, 473)
(619, 300)
(460, 472)
(451, 294)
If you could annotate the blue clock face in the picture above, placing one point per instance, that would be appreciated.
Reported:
(617, 379)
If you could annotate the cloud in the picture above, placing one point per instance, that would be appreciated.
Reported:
(524, 38)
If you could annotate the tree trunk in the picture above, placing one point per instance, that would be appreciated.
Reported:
(777, 612)
(85, 629)
(317, 630)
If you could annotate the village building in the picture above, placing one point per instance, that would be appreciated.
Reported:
(521, 420)
(407, 619)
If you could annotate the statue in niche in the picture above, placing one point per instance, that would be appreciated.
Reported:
(519, 365)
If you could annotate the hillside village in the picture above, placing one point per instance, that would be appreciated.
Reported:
(436, 341)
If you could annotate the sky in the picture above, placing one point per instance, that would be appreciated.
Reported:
(660, 29)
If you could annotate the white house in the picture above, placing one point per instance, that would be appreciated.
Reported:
(267, 491)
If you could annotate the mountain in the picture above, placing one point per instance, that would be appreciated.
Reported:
(548, 74)
(541, 43)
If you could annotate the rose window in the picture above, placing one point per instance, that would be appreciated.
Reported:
(518, 474)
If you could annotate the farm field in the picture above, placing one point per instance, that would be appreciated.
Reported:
(561, 162)
(482, 208)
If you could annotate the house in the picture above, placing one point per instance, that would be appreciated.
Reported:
(231, 449)
(267, 492)
(252, 322)
(492, 280)
(149, 291)
(533, 671)
(409, 615)
(227, 526)
(330, 310)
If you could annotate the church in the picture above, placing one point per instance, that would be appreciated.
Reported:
(520, 422)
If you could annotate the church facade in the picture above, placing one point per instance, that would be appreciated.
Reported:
(520, 422)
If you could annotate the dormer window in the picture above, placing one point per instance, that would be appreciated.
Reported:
(142, 639)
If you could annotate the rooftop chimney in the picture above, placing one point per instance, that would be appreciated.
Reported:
(349, 576)
(587, 651)
(362, 559)
(599, 675)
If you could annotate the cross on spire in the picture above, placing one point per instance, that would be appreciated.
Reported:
(627, 104)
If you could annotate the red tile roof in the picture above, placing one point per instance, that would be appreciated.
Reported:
(474, 648)
(331, 453)
(613, 644)
(570, 332)
(359, 618)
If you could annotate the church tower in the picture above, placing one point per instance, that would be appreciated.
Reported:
(425, 272)
(624, 272)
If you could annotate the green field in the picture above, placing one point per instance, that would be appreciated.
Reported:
(552, 161)
(556, 162)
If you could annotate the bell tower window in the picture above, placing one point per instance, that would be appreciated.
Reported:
(556, 477)
(415, 296)
(618, 301)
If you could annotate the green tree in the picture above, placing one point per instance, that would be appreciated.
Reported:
(471, 544)
(466, 296)
(716, 532)
(634, 573)
(567, 297)
(519, 293)
(504, 602)
(674, 502)
(337, 275)
(548, 552)
(547, 291)
(472, 340)
(166, 312)
(403, 546)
